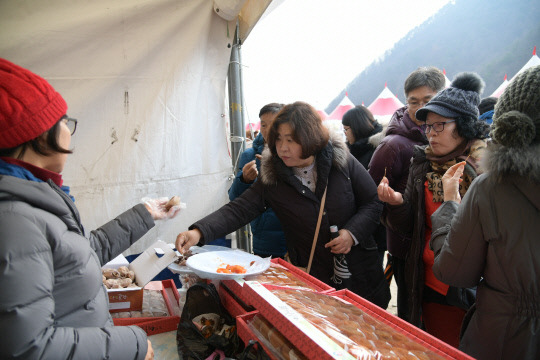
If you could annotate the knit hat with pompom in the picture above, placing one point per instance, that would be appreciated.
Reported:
(461, 98)
(29, 105)
(516, 121)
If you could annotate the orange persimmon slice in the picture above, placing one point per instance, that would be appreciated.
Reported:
(231, 269)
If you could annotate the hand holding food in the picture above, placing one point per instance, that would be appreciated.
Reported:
(387, 194)
(187, 239)
(163, 208)
(249, 172)
(451, 180)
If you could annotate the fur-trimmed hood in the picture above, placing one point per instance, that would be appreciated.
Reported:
(270, 165)
(376, 139)
(502, 161)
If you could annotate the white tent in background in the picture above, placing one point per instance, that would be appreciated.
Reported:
(533, 61)
(147, 81)
(345, 105)
(384, 106)
(447, 81)
(501, 87)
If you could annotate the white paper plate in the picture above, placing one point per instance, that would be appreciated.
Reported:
(183, 269)
(205, 265)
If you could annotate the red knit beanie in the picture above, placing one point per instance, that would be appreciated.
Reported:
(29, 105)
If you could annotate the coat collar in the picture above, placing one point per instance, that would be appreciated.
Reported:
(334, 154)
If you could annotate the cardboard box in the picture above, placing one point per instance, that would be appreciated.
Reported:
(146, 266)
(156, 325)
(115, 263)
(315, 343)
(313, 284)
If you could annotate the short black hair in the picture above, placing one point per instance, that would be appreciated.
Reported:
(428, 76)
(272, 108)
(51, 144)
(487, 104)
(360, 120)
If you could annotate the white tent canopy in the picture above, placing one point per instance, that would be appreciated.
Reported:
(384, 106)
(344, 105)
(447, 81)
(501, 87)
(533, 61)
(147, 82)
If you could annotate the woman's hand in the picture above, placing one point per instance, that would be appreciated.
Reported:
(163, 208)
(187, 239)
(342, 244)
(451, 180)
(149, 352)
(249, 172)
(387, 194)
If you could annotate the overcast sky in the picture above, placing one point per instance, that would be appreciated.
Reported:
(310, 50)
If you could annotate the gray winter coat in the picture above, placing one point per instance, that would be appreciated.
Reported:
(53, 304)
(493, 238)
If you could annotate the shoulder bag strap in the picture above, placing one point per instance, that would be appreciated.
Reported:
(321, 210)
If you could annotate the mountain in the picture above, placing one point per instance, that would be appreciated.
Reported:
(492, 38)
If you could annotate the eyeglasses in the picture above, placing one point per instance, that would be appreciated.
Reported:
(438, 126)
(71, 124)
(414, 104)
(345, 129)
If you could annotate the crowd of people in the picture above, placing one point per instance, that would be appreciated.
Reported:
(449, 189)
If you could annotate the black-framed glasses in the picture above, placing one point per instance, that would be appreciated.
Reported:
(438, 126)
(345, 129)
(71, 123)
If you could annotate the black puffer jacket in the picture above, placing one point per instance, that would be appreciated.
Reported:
(351, 204)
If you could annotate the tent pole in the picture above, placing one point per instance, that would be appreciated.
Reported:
(238, 129)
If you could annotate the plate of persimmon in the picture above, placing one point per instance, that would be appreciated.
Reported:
(224, 265)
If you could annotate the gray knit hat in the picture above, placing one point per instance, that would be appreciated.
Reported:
(516, 121)
(461, 98)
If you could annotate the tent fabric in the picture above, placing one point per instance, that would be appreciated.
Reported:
(533, 61)
(345, 105)
(323, 114)
(447, 81)
(253, 126)
(501, 87)
(147, 82)
(252, 12)
(385, 105)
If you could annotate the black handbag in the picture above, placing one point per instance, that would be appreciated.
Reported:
(205, 326)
